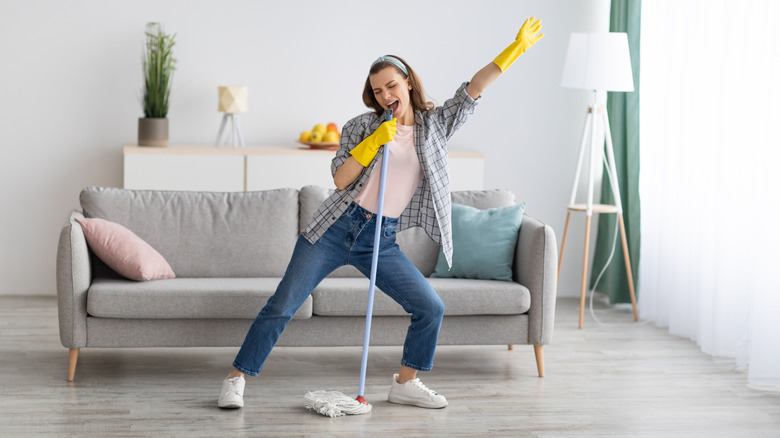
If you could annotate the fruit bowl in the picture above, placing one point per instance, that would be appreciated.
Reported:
(327, 145)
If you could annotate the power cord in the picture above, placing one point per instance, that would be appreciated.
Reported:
(606, 265)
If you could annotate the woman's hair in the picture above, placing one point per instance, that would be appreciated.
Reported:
(416, 94)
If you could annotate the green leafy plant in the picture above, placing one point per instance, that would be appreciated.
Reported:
(159, 65)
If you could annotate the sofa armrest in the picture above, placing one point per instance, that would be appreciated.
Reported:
(535, 267)
(74, 276)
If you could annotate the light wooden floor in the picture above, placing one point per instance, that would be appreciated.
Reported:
(619, 380)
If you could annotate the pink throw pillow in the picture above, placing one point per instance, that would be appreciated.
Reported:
(123, 251)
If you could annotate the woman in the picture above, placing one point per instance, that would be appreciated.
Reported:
(342, 230)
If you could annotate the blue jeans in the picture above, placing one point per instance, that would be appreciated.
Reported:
(349, 241)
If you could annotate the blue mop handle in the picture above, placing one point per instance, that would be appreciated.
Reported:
(374, 262)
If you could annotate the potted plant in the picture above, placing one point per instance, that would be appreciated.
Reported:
(158, 67)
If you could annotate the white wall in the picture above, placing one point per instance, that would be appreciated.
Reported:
(70, 79)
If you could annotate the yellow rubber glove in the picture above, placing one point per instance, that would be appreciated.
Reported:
(526, 37)
(367, 149)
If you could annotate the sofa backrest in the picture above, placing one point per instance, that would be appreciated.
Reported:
(206, 234)
(244, 234)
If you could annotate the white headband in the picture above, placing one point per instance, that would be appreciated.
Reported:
(392, 60)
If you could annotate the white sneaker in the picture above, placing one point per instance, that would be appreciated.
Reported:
(414, 393)
(232, 395)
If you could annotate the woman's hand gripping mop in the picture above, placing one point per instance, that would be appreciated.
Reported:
(334, 403)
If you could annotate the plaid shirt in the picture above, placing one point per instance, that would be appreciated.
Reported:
(430, 207)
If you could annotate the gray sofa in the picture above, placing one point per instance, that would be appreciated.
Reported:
(229, 251)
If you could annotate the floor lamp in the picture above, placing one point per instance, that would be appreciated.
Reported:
(599, 62)
(232, 102)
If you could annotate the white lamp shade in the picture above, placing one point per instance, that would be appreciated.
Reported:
(233, 100)
(598, 61)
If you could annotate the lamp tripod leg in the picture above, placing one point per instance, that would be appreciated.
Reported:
(628, 265)
(563, 246)
(585, 268)
(233, 136)
(221, 129)
(584, 146)
(613, 181)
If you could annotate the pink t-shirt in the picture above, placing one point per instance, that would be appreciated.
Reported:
(403, 176)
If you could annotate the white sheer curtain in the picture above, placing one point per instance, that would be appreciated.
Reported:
(710, 177)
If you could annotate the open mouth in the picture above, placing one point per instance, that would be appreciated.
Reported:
(393, 105)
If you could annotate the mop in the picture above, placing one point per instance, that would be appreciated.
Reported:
(334, 403)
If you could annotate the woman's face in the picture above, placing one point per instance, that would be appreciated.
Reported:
(391, 90)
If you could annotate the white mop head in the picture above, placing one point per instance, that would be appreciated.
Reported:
(334, 404)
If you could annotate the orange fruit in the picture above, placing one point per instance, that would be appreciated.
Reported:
(331, 137)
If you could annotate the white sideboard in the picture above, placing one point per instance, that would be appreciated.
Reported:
(224, 169)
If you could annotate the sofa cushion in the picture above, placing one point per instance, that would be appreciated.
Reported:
(201, 298)
(206, 234)
(123, 251)
(349, 297)
(484, 199)
(483, 241)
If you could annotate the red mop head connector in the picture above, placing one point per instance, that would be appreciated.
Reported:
(361, 400)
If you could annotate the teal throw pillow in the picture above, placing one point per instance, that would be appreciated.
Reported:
(483, 243)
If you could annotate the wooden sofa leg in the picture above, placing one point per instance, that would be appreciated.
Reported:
(539, 359)
(510, 347)
(73, 356)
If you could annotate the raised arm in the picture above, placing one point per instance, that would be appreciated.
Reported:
(526, 37)
(482, 79)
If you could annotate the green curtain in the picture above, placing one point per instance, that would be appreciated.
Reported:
(623, 110)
